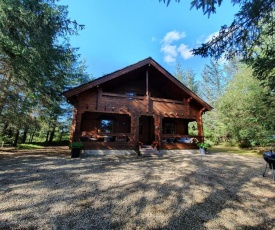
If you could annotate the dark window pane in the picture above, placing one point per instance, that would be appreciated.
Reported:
(106, 126)
(169, 128)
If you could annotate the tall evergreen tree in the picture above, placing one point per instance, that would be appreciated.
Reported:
(37, 64)
(213, 82)
(187, 77)
(34, 45)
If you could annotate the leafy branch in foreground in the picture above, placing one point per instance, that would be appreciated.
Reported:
(249, 37)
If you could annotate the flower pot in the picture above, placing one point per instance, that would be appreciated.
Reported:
(203, 151)
(75, 152)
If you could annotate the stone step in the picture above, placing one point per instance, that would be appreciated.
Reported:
(148, 151)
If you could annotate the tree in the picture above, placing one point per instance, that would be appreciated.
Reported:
(249, 36)
(187, 77)
(34, 45)
(215, 78)
(213, 82)
(245, 112)
(37, 64)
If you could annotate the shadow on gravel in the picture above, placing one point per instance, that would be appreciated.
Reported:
(49, 190)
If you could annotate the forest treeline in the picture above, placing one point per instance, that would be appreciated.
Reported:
(243, 106)
(37, 63)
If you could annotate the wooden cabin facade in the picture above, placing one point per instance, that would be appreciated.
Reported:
(142, 103)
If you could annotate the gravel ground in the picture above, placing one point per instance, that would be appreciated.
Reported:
(46, 189)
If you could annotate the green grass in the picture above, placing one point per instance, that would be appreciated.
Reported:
(234, 149)
(29, 146)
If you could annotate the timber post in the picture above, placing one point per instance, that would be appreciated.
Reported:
(72, 133)
(135, 127)
(200, 124)
(158, 127)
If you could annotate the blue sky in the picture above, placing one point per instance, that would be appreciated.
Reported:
(121, 33)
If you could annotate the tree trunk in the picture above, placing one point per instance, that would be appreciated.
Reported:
(47, 137)
(51, 136)
(24, 135)
(32, 135)
(16, 138)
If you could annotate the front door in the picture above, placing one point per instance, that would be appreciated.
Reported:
(146, 130)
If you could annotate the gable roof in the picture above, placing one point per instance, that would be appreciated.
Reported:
(148, 61)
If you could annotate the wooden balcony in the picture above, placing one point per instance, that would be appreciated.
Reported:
(113, 102)
(121, 103)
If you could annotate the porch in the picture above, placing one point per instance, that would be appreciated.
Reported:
(126, 131)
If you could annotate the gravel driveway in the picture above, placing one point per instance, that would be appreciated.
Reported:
(46, 189)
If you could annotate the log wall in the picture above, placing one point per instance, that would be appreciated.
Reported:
(128, 110)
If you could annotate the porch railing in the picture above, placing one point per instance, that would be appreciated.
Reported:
(117, 102)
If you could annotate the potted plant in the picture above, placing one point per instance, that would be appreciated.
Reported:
(203, 147)
(76, 149)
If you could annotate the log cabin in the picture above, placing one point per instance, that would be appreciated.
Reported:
(141, 103)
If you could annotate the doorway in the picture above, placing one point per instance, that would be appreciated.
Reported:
(146, 130)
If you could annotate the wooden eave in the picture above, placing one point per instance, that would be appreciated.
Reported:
(148, 61)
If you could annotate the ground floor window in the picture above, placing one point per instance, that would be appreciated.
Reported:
(169, 128)
(106, 126)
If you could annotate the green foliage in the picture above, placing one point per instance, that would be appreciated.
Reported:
(37, 63)
(208, 7)
(213, 82)
(187, 77)
(250, 36)
(29, 32)
(244, 112)
(76, 145)
(214, 128)
(193, 128)
(203, 145)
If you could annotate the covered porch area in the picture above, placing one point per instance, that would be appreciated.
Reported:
(99, 130)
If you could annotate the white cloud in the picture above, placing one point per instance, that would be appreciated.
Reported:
(184, 51)
(173, 36)
(169, 59)
(171, 50)
(170, 53)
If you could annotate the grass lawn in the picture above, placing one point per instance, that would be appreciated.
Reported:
(237, 150)
(30, 146)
